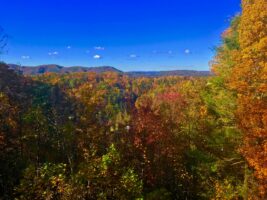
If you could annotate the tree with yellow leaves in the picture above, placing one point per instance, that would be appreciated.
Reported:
(249, 80)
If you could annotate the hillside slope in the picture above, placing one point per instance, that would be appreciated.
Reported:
(41, 69)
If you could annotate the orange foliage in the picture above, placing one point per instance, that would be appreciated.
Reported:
(249, 79)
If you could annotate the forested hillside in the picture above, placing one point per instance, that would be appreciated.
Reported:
(87, 135)
(42, 69)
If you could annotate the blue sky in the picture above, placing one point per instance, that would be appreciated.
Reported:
(127, 34)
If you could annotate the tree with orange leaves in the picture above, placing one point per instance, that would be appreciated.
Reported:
(249, 80)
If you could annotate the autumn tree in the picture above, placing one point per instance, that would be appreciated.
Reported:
(249, 80)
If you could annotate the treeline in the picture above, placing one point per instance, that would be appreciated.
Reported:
(108, 136)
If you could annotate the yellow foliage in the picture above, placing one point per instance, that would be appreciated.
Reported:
(249, 80)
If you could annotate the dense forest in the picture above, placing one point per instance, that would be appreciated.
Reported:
(89, 135)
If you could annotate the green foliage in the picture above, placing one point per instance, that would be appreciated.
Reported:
(231, 40)
(45, 182)
(159, 194)
(120, 137)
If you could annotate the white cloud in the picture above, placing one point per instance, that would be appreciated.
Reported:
(99, 48)
(170, 52)
(25, 57)
(133, 56)
(187, 51)
(97, 56)
(55, 53)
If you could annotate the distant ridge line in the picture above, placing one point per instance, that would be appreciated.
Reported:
(41, 69)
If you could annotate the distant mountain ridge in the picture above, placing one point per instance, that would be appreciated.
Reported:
(168, 73)
(41, 69)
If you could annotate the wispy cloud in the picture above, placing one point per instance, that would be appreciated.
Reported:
(169, 52)
(25, 57)
(55, 53)
(133, 56)
(187, 51)
(97, 57)
(99, 48)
